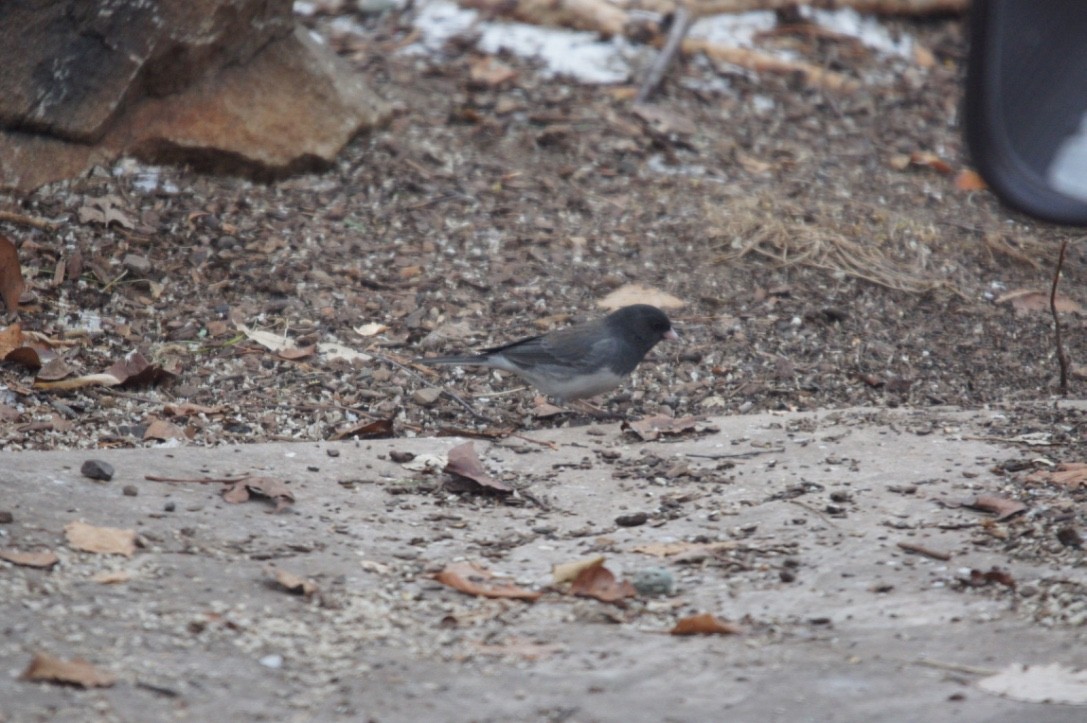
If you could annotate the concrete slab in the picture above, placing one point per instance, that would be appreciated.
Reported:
(806, 511)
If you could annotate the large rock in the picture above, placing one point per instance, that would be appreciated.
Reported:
(229, 84)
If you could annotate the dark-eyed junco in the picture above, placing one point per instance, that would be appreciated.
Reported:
(579, 361)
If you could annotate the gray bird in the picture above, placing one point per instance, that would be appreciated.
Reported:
(578, 361)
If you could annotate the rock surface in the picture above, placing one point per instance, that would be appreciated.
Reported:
(229, 85)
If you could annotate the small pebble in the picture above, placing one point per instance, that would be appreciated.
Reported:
(170, 506)
(401, 457)
(654, 582)
(97, 469)
(272, 661)
(632, 520)
(130, 490)
(332, 452)
(6, 518)
(426, 396)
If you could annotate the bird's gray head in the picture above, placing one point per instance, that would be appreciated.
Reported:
(648, 323)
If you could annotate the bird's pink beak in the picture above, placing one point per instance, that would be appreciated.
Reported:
(671, 335)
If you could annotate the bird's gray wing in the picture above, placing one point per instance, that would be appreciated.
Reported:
(574, 349)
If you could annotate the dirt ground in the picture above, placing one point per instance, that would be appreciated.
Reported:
(820, 270)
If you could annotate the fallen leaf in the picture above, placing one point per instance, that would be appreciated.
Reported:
(298, 352)
(272, 342)
(11, 275)
(567, 571)
(332, 352)
(542, 409)
(490, 72)
(112, 577)
(43, 559)
(1028, 301)
(705, 624)
(56, 368)
(188, 409)
(11, 338)
(1054, 684)
(241, 490)
(103, 540)
(371, 329)
(294, 583)
(376, 429)
(930, 160)
(134, 370)
(105, 210)
(472, 579)
(639, 294)
(995, 574)
(70, 672)
(1002, 507)
(969, 180)
(1067, 474)
(465, 465)
(649, 429)
(162, 430)
(597, 581)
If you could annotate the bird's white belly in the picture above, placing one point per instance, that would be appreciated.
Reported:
(576, 387)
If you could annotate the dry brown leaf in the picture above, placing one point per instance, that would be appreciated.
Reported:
(376, 429)
(56, 368)
(294, 583)
(43, 559)
(639, 294)
(102, 540)
(69, 672)
(472, 579)
(969, 180)
(490, 72)
(930, 160)
(1002, 507)
(297, 352)
(11, 275)
(568, 571)
(11, 338)
(1026, 301)
(105, 210)
(112, 577)
(371, 329)
(132, 371)
(705, 624)
(1067, 474)
(597, 581)
(994, 574)
(463, 464)
(241, 490)
(136, 371)
(162, 430)
(188, 409)
(651, 428)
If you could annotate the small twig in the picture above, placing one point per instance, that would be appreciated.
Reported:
(927, 552)
(32, 221)
(1062, 355)
(956, 667)
(736, 455)
(682, 19)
